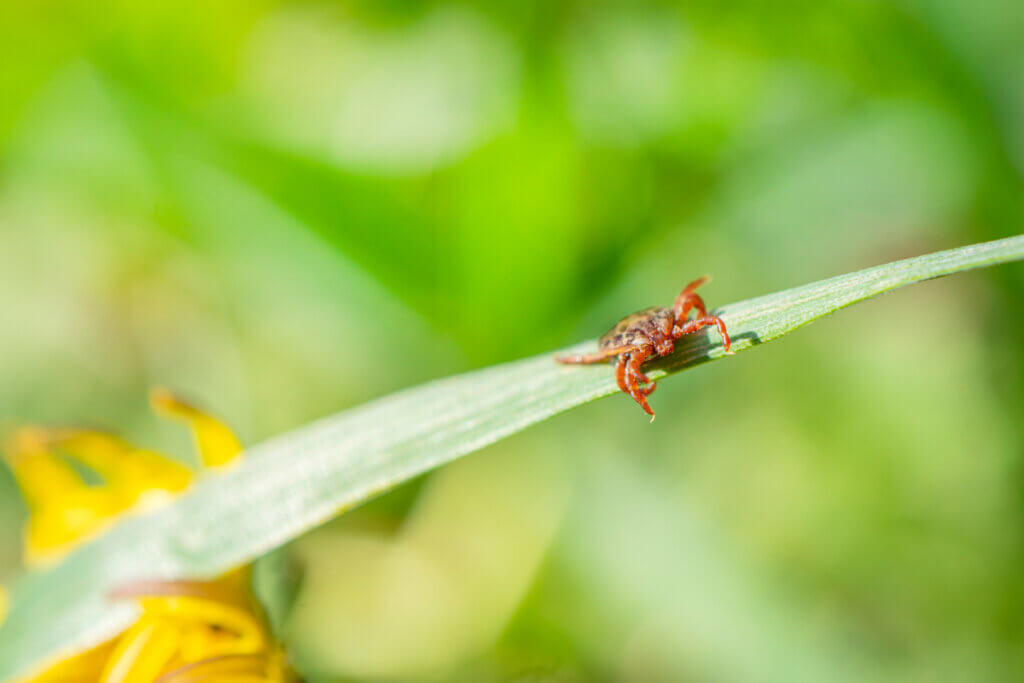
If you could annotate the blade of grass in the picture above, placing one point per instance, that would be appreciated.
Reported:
(294, 482)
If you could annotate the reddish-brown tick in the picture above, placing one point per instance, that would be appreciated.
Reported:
(648, 334)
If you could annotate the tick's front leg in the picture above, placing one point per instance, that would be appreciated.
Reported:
(620, 377)
(633, 375)
(651, 384)
(587, 358)
(620, 373)
(688, 299)
(692, 326)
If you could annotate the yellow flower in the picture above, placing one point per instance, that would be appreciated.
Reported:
(216, 443)
(188, 631)
(64, 509)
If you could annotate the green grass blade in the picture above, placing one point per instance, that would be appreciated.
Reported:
(294, 482)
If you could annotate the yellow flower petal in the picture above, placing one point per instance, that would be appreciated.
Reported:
(216, 443)
(85, 666)
(126, 470)
(41, 476)
(142, 652)
(63, 509)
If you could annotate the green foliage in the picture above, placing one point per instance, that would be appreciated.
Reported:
(291, 483)
(282, 209)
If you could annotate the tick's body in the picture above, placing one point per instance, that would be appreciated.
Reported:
(650, 333)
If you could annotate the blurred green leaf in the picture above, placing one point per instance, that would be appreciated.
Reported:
(294, 482)
(275, 583)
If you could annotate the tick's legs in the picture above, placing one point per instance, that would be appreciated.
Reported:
(691, 326)
(633, 375)
(620, 378)
(688, 299)
(620, 373)
(596, 357)
(644, 379)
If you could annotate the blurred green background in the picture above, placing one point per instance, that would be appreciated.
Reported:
(285, 209)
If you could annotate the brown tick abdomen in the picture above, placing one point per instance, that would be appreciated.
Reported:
(636, 329)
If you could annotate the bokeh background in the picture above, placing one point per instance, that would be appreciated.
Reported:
(284, 209)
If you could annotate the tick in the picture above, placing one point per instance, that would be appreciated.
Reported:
(649, 334)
